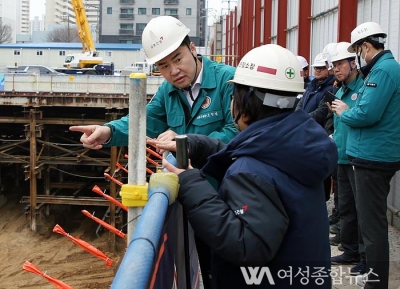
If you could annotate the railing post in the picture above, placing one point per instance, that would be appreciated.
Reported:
(137, 141)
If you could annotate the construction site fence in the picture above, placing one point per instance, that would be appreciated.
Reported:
(72, 84)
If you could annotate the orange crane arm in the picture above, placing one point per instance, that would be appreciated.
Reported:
(83, 27)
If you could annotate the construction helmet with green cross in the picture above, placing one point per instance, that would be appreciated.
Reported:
(271, 67)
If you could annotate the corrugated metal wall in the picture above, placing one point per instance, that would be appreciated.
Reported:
(329, 21)
(292, 25)
(274, 23)
(387, 14)
(324, 25)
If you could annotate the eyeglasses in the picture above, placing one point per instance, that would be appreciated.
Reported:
(320, 68)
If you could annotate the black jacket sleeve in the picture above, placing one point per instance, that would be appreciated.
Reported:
(320, 113)
(201, 147)
(246, 228)
(329, 123)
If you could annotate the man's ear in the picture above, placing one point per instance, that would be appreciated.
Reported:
(192, 48)
(353, 64)
(367, 45)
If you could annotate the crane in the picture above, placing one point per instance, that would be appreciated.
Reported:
(89, 61)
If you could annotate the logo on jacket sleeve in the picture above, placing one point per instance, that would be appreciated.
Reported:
(241, 210)
(206, 102)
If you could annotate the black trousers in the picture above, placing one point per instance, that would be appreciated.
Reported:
(350, 236)
(372, 189)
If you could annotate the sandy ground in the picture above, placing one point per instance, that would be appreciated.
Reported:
(53, 253)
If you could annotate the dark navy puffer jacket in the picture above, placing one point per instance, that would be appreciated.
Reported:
(313, 99)
(270, 208)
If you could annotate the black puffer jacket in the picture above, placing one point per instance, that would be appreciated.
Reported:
(313, 99)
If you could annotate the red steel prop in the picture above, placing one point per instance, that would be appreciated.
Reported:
(110, 177)
(28, 266)
(86, 246)
(104, 224)
(97, 190)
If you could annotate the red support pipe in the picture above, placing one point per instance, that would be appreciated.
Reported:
(347, 19)
(282, 22)
(249, 44)
(267, 21)
(304, 37)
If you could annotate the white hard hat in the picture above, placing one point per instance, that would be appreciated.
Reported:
(162, 36)
(365, 30)
(341, 52)
(303, 61)
(272, 67)
(327, 53)
(319, 61)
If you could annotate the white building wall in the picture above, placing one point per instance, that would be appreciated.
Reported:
(324, 25)
(59, 12)
(223, 38)
(53, 57)
(23, 11)
(8, 14)
(274, 19)
(387, 14)
(92, 9)
(292, 25)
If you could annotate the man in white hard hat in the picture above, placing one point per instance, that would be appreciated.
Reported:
(373, 144)
(327, 55)
(312, 100)
(345, 70)
(270, 209)
(194, 98)
(306, 72)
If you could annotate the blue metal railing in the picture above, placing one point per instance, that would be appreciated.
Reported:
(136, 268)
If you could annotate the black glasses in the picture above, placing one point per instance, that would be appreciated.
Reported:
(320, 68)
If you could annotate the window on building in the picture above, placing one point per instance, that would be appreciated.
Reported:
(62, 53)
(109, 10)
(188, 11)
(108, 53)
(17, 52)
(39, 52)
(126, 26)
(171, 11)
(139, 28)
(126, 29)
(126, 10)
(155, 11)
(142, 11)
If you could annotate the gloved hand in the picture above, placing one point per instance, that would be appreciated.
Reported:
(164, 183)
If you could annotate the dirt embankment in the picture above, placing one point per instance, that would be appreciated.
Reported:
(53, 253)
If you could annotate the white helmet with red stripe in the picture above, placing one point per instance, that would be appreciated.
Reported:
(272, 67)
